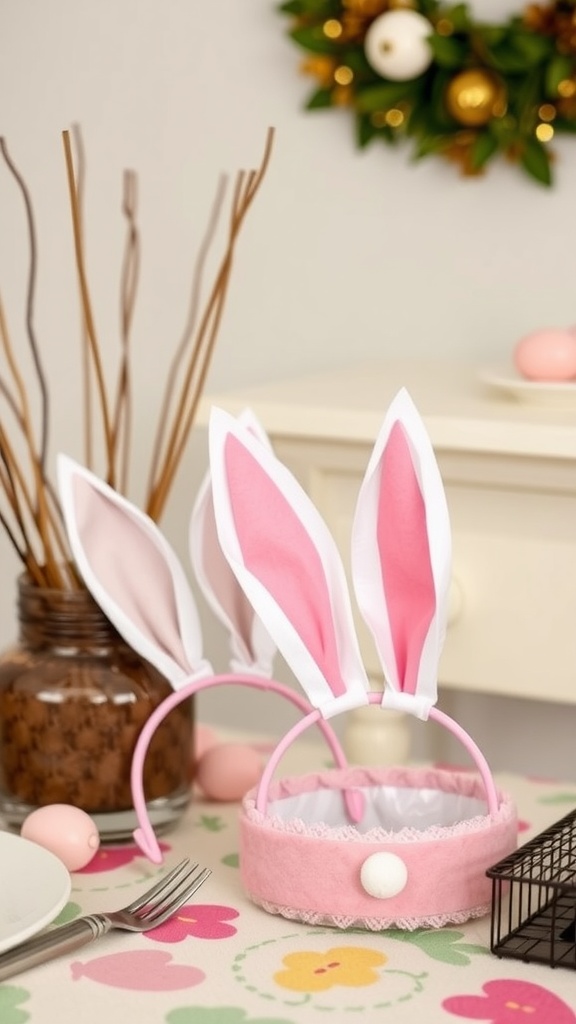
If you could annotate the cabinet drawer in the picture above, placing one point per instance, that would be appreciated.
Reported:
(514, 570)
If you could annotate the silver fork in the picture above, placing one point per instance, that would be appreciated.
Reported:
(150, 910)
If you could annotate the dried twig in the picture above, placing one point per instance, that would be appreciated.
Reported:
(128, 292)
(32, 518)
(30, 300)
(38, 508)
(87, 410)
(87, 310)
(187, 334)
(204, 342)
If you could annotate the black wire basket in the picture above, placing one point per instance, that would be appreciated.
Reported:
(534, 899)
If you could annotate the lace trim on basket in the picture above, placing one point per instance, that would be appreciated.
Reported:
(373, 924)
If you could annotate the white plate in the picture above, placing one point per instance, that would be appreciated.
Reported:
(559, 394)
(34, 887)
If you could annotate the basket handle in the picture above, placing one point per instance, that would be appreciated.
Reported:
(375, 697)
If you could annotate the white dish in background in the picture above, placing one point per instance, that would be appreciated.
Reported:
(34, 887)
(553, 394)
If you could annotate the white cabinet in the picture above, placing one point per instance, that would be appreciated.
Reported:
(509, 469)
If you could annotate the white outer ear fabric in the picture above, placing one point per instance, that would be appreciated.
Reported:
(132, 573)
(252, 648)
(287, 563)
(369, 571)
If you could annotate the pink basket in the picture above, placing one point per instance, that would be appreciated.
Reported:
(302, 859)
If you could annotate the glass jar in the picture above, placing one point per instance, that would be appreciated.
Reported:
(73, 699)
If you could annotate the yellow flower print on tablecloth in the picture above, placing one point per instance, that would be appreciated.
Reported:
(350, 966)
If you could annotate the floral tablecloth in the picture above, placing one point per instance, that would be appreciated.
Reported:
(224, 961)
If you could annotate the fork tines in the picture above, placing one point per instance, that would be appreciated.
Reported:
(182, 869)
(178, 887)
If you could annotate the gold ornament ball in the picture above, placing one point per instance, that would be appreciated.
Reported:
(473, 97)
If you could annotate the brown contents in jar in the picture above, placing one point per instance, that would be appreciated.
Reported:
(68, 732)
(73, 700)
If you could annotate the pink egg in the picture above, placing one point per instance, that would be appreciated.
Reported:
(204, 738)
(547, 355)
(66, 831)
(227, 771)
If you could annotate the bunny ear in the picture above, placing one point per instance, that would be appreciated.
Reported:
(252, 647)
(287, 563)
(401, 554)
(249, 419)
(132, 573)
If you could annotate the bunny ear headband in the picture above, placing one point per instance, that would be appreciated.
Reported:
(391, 866)
(287, 562)
(137, 579)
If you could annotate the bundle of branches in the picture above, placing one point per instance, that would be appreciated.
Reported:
(29, 509)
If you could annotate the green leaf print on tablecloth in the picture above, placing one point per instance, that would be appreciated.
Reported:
(218, 1015)
(211, 822)
(70, 911)
(441, 945)
(10, 998)
(231, 860)
(559, 798)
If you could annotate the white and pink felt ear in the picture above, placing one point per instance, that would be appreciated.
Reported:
(401, 558)
(288, 565)
(252, 647)
(132, 573)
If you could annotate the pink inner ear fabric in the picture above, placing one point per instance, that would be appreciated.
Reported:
(405, 557)
(278, 551)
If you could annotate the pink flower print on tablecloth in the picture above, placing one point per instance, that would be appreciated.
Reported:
(508, 1001)
(350, 966)
(108, 858)
(202, 920)
(149, 970)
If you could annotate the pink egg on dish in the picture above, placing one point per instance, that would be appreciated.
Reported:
(227, 771)
(547, 355)
(68, 832)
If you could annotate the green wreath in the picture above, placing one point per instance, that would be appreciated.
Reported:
(428, 72)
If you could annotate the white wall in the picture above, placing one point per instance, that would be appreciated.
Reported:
(344, 255)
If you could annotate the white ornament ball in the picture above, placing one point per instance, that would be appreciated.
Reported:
(383, 875)
(396, 45)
